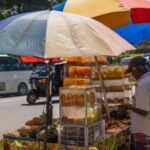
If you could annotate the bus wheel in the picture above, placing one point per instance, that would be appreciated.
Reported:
(31, 98)
(22, 89)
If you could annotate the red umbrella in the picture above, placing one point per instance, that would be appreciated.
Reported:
(139, 10)
(31, 59)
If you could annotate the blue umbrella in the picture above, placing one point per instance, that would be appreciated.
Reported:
(60, 7)
(134, 33)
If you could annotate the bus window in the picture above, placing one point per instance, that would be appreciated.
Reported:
(5, 65)
(14, 75)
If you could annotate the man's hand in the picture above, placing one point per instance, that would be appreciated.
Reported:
(125, 106)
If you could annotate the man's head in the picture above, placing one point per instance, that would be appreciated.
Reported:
(137, 66)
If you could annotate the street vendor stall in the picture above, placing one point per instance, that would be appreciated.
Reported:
(81, 125)
(55, 34)
(110, 142)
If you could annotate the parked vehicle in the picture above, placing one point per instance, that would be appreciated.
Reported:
(14, 75)
(38, 81)
(147, 57)
(125, 60)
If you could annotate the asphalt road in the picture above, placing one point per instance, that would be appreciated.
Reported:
(14, 112)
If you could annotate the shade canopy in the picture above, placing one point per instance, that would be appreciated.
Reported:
(108, 12)
(57, 34)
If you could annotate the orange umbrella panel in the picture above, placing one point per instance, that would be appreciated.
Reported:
(109, 12)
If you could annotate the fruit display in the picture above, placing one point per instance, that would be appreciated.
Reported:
(69, 81)
(35, 121)
(74, 116)
(113, 125)
(114, 88)
(118, 100)
(30, 129)
(118, 88)
(25, 130)
(77, 96)
(117, 82)
(109, 143)
(79, 105)
(85, 60)
(13, 134)
(76, 71)
(112, 72)
(115, 100)
(95, 75)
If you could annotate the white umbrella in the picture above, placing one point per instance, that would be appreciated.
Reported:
(57, 34)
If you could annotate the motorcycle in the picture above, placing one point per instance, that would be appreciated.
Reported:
(38, 81)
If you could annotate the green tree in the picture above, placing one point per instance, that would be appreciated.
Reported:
(13, 7)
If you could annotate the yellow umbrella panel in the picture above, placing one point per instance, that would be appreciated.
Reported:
(109, 12)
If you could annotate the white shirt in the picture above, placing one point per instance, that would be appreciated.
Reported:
(139, 123)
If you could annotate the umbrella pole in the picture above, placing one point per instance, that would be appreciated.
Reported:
(49, 107)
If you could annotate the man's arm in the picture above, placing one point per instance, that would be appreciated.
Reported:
(138, 111)
(134, 109)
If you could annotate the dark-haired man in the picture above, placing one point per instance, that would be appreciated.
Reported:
(140, 110)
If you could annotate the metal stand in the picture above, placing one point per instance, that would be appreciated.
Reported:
(102, 84)
(49, 107)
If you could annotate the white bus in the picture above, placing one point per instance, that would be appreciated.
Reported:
(14, 75)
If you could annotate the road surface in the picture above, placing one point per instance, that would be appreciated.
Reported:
(14, 112)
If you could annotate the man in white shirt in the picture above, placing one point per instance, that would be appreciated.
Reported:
(140, 110)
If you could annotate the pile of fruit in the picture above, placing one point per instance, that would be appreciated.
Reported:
(113, 72)
(86, 60)
(69, 81)
(30, 128)
(113, 125)
(34, 129)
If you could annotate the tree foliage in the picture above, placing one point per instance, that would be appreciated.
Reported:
(13, 7)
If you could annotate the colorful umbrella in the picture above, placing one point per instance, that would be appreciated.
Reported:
(134, 33)
(56, 34)
(113, 13)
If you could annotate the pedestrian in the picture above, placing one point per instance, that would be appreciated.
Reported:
(140, 109)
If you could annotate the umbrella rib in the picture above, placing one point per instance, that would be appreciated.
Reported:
(24, 33)
(70, 31)
(107, 45)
